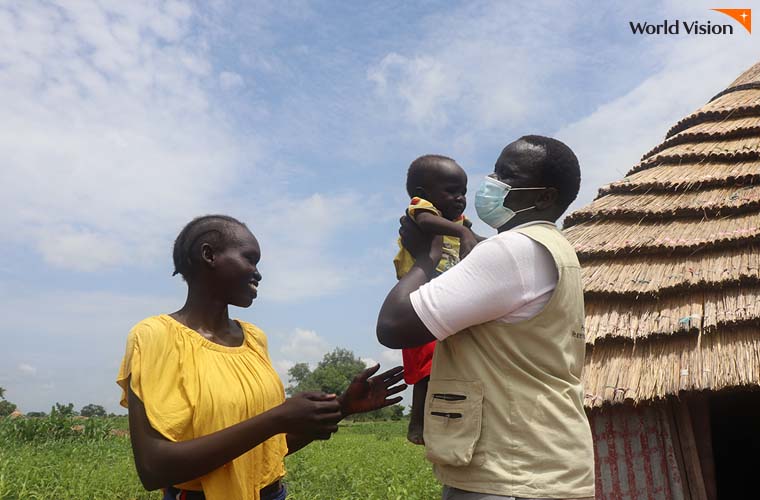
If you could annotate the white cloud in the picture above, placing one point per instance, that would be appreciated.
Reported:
(300, 256)
(369, 362)
(305, 346)
(107, 133)
(474, 66)
(230, 80)
(281, 366)
(300, 346)
(422, 83)
(80, 249)
(392, 356)
(27, 369)
(111, 143)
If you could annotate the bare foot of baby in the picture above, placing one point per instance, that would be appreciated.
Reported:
(414, 434)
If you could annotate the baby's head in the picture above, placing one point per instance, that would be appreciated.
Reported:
(439, 180)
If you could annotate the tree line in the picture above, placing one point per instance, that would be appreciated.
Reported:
(64, 410)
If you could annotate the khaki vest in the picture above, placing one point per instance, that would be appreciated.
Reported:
(504, 409)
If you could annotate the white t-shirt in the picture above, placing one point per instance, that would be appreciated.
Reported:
(508, 277)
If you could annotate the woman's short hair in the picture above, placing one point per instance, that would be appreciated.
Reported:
(217, 230)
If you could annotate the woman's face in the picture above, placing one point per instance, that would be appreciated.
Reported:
(237, 277)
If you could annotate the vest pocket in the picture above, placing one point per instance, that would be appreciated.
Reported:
(453, 416)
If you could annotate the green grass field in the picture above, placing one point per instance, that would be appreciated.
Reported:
(363, 461)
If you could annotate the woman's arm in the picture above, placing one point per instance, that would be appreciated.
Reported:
(297, 441)
(162, 463)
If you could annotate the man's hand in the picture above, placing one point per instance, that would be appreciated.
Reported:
(367, 393)
(419, 244)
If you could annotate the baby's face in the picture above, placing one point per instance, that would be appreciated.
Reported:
(447, 190)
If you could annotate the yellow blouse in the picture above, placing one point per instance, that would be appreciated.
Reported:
(192, 387)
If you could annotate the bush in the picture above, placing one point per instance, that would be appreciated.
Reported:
(56, 427)
(93, 410)
(6, 408)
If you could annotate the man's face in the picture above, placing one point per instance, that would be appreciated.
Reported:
(516, 167)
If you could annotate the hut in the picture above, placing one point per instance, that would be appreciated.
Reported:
(671, 268)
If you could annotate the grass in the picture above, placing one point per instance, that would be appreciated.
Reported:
(368, 461)
(363, 461)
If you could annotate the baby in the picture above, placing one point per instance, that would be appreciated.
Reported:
(437, 187)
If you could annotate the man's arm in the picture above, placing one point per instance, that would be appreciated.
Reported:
(487, 285)
(398, 324)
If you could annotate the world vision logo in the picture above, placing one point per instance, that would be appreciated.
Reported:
(744, 16)
(677, 27)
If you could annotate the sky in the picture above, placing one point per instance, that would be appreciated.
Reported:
(121, 121)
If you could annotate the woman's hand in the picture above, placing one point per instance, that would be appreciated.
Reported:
(367, 393)
(419, 244)
(314, 414)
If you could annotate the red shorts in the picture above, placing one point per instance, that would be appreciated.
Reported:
(417, 361)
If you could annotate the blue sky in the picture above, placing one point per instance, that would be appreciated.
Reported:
(120, 121)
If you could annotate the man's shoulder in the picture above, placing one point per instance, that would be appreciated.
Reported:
(512, 242)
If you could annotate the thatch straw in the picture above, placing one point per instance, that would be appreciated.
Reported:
(707, 203)
(695, 311)
(687, 176)
(752, 75)
(637, 276)
(670, 257)
(632, 320)
(733, 104)
(741, 148)
(726, 128)
(611, 237)
(617, 372)
(734, 306)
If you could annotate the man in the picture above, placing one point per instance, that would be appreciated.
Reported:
(504, 412)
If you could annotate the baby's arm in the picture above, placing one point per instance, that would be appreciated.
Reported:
(435, 224)
(478, 237)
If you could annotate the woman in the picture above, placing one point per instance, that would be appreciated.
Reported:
(207, 412)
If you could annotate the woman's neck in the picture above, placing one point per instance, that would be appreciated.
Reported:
(202, 312)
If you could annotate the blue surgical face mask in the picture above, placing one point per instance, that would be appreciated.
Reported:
(489, 202)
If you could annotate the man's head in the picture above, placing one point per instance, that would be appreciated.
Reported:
(534, 161)
(439, 180)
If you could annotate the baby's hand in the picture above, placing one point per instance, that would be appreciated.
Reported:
(466, 243)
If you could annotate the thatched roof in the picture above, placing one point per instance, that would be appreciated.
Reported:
(671, 259)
